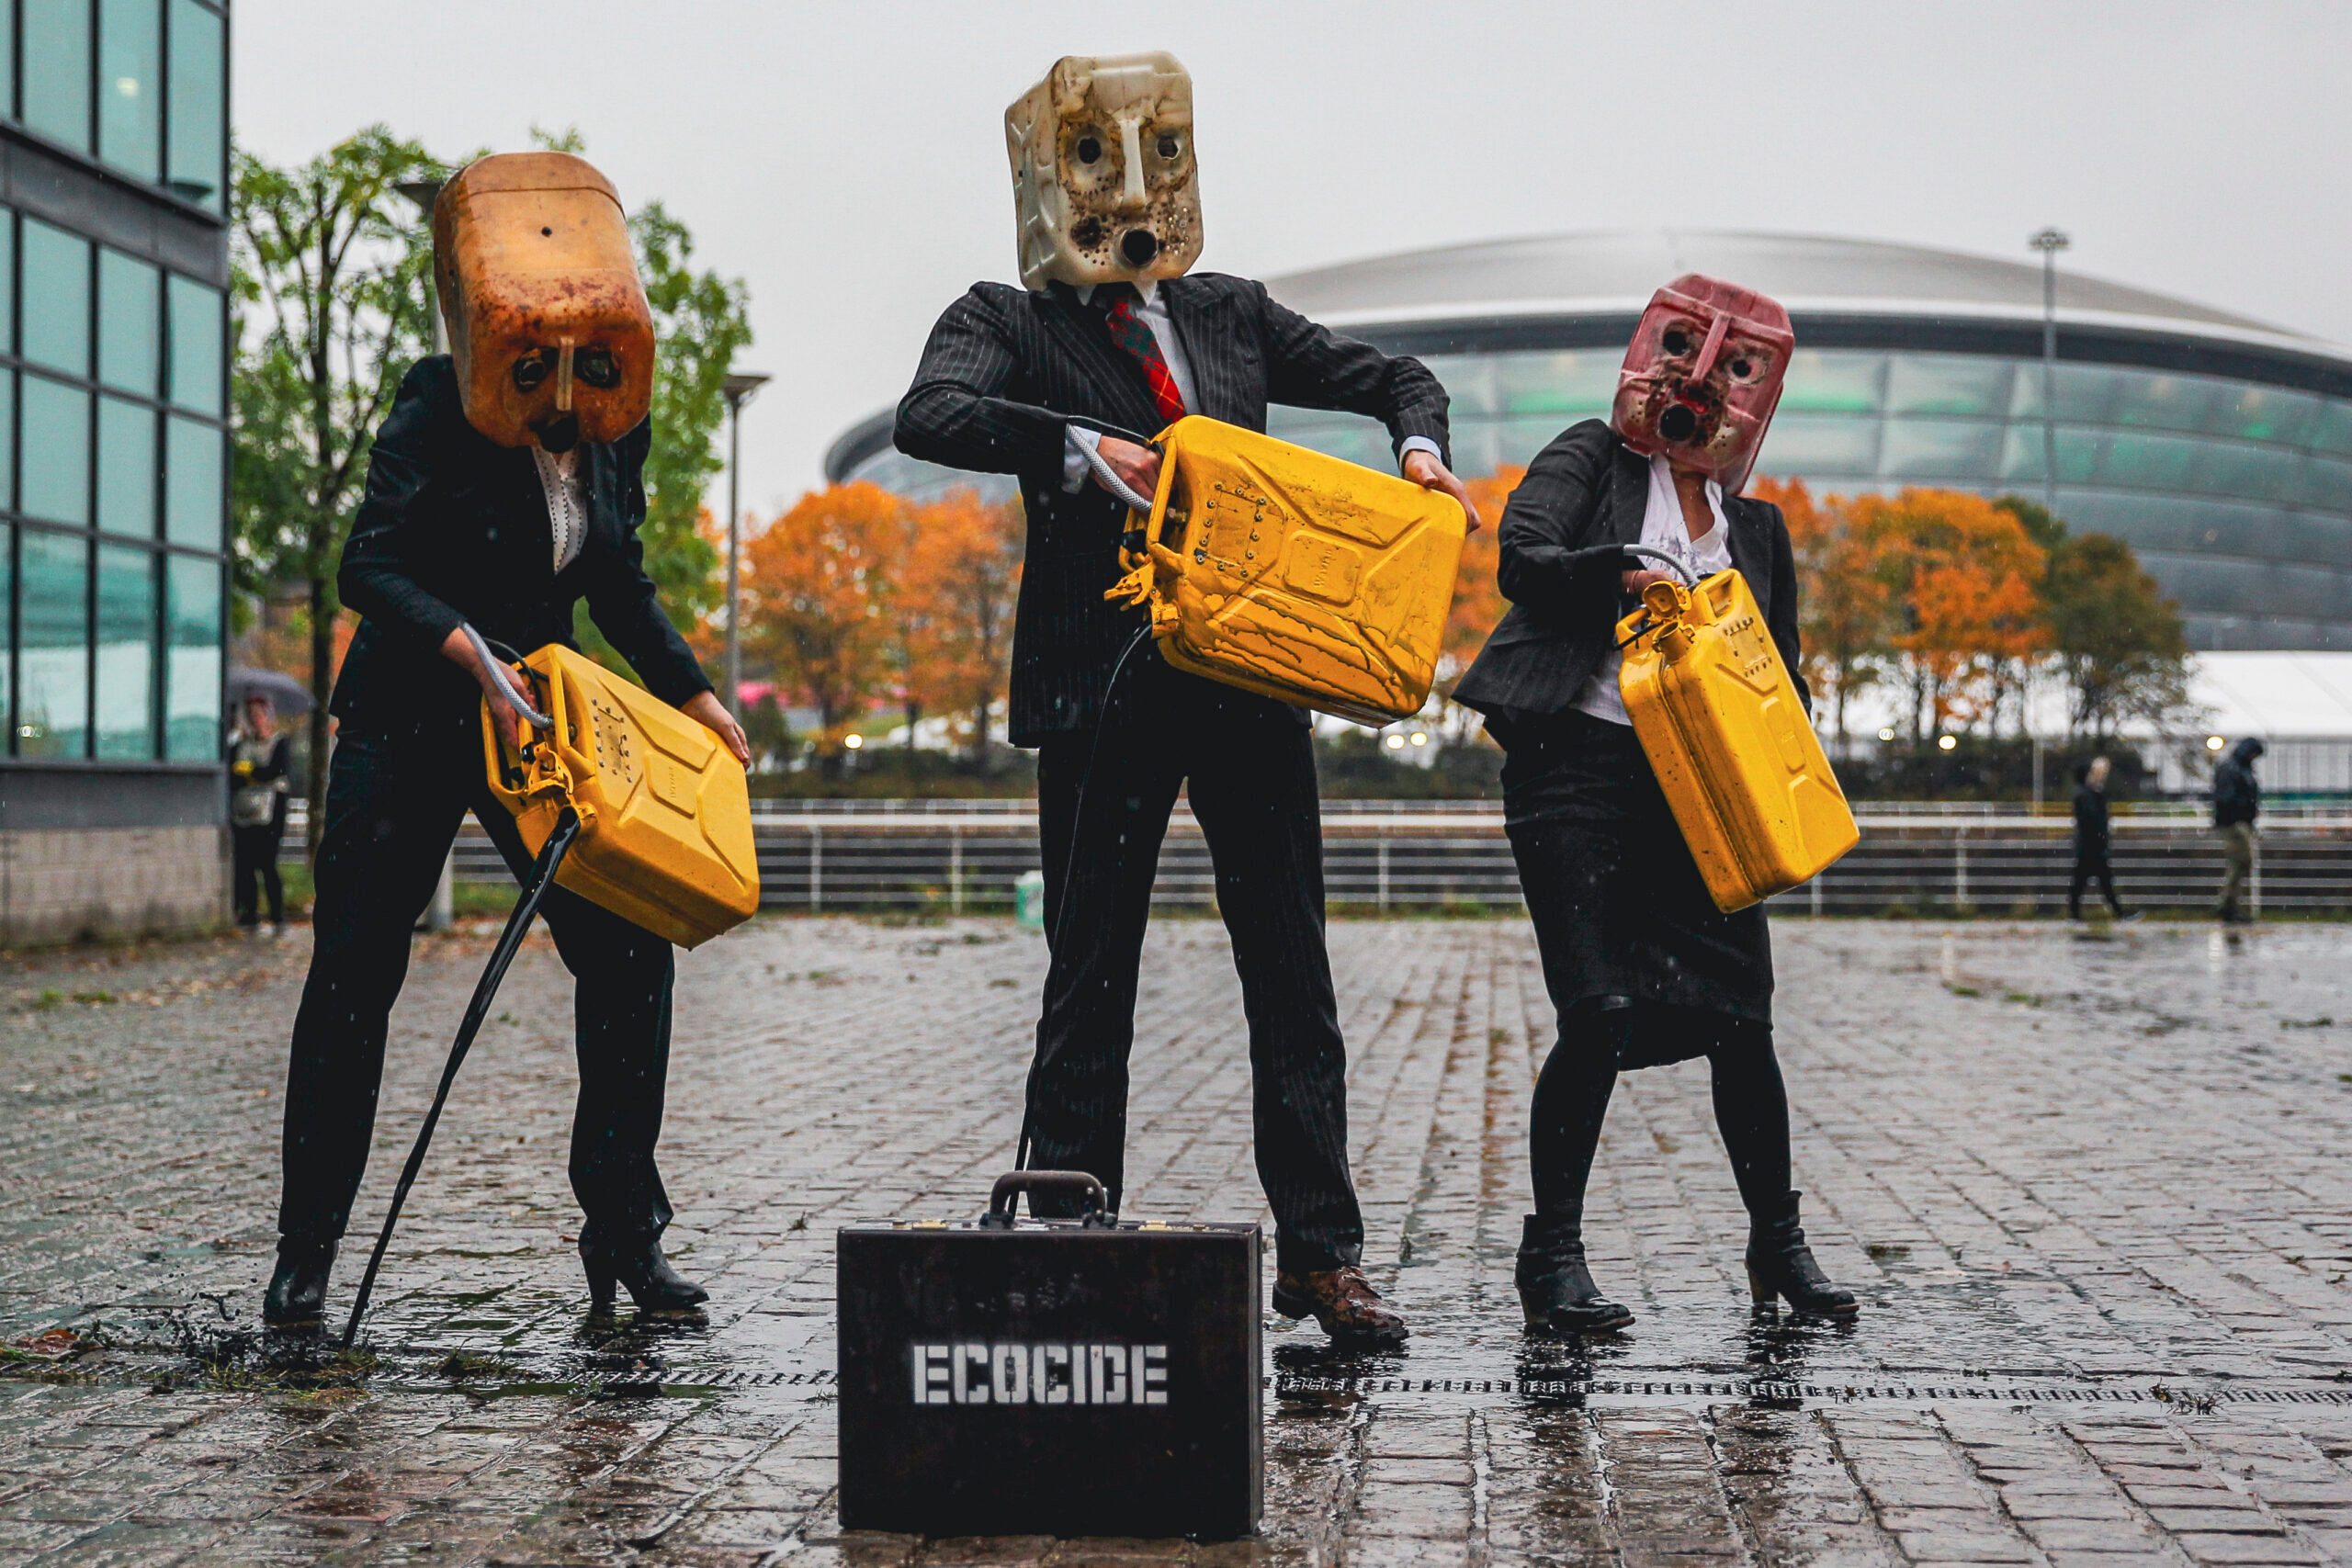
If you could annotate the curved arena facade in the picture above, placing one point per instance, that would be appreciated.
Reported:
(2220, 448)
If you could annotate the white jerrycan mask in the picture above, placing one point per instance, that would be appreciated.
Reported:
(1103, 182)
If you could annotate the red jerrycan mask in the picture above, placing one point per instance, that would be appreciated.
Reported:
(1703, 376)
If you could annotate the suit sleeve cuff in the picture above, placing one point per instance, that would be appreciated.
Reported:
(1077, 445)
(1412, 444)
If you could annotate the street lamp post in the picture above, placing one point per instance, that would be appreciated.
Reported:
(739, 387)
(2050, 242)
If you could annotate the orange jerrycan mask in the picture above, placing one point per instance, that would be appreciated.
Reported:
(665, 818)
(548, 326)
(1293, 575)
(1719, 719)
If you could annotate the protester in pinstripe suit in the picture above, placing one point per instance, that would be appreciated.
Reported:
(1113, 335)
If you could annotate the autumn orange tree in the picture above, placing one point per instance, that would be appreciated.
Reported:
(815, 600)
(1964, 577)
(1845, 605)
(1478, 599)
(957, 583)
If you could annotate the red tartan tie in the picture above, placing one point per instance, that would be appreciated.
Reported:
(1130, 332)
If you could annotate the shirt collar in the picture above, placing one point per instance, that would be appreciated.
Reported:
(1662, 474)
(1146, 289)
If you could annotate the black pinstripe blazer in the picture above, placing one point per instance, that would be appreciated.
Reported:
(1006, 371)
(1586, 488)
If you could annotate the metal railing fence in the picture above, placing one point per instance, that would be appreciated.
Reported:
(955, 857)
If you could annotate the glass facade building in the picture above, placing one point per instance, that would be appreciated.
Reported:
(2220, 448)
(114, 353)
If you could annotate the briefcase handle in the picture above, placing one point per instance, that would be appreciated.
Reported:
(1013, 1183)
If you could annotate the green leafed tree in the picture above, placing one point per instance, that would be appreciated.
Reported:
(2119, 642)
(330, 264)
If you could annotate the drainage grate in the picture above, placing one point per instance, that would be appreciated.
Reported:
(1771, 1392)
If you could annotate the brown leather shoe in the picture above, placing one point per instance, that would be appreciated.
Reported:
(1343, 1302)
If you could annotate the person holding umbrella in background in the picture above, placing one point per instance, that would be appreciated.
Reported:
(259, 760)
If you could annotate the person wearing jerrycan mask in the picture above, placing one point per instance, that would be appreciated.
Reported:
(506, 486)
(1112, 334)
(1641, 966)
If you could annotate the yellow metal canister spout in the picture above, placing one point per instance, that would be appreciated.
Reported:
(1673, 610)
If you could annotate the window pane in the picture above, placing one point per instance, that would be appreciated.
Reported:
(192, 730)
(1825, 444)
(57, 69)
(126, 652)
(196, 346)
(7, 448)
(1945, 450)
(56, 298)
(199, 136)
(8, 258)
(126, 469)
(192, 481)
(57, 451)
(1830, 381)
(130, 83)
(130, 330)
(7, 635)
(1572, 384)
(1966, 384)
(55, 678)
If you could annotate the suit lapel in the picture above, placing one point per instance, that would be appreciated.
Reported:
(1193, 313)
(1629, 495)
(1748, 550)
(1113, 377)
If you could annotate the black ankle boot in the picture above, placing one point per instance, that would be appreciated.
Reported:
(296, 1297)
(1781, 1266)
(652, 1284)
(1555, 1289)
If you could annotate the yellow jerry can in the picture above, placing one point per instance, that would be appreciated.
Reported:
(1293, 575)
(1719, 719)
(665, 818)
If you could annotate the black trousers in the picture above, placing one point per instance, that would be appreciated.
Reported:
(254, 859)
(394, 802)
(2091, 865)
(1250, 766)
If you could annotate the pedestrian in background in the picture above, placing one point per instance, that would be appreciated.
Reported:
(2237, 801)
(259, 760)
(2091, 841)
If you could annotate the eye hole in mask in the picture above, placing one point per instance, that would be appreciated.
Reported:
(1090, 149)
(1675, 340)
(597, 367)
(531, 371)
(1743, 369)
(1169, 147)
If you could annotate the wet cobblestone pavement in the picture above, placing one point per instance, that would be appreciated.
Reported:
(2093, 1190)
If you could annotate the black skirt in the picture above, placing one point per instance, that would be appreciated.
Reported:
(1619, 905)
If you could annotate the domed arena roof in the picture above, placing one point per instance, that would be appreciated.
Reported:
(1613, 272)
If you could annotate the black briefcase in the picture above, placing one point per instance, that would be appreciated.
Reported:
(1049, 1377)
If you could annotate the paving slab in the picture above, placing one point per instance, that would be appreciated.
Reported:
(2091, 1187)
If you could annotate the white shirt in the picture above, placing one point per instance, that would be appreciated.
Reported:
(567, 495)
(1662, 529)
(1078, 441)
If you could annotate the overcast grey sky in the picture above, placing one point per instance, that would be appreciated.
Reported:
(846, 160)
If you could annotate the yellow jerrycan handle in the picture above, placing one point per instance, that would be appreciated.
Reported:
(538, 772)
(1140, 550)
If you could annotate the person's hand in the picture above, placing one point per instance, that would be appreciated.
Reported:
(1631, 582)
(514, 729)
(243, 769)
(1425, 470)
(706, 709)
(1137, 467)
